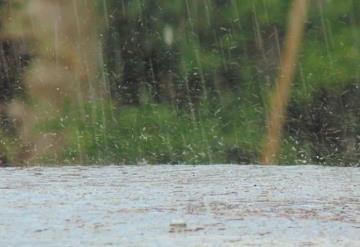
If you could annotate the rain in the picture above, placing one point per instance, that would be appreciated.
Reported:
(183, 82)
(154, 88)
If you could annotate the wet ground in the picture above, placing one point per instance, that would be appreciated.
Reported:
(221, 205)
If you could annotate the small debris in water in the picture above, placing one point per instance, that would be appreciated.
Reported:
(177, 226)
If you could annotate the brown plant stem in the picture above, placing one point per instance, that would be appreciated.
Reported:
(280, 96)
(65, 66)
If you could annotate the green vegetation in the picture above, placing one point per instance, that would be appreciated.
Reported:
(155, 133)
(189, 83)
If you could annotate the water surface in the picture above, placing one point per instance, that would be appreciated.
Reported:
(221, 205)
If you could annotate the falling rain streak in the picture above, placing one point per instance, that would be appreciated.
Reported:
(136, 81)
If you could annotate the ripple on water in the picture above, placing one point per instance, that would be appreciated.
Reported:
(131, 205)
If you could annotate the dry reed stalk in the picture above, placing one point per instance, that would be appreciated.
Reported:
(280, 96)
(66, 64)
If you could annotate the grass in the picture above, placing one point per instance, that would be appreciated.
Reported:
(156, 134)
(230, 132)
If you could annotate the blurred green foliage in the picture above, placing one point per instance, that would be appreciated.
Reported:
(190, 83)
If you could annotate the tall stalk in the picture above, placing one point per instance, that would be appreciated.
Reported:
(280, 96)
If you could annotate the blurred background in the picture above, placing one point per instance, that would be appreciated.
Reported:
(169, 82)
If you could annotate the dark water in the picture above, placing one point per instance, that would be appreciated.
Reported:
(221, 205)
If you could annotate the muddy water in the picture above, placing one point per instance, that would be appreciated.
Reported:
(220, 205)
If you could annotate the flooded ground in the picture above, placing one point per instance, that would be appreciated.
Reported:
(221, 205)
